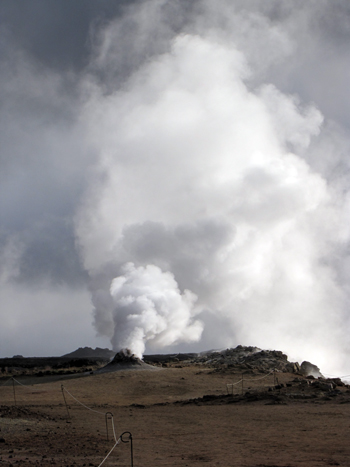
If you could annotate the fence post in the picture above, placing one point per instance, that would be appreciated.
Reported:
(64, 398)
(131, 449)
(14, 392)
(106, 418)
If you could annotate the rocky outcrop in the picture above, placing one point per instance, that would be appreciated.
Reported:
(240, 358)
(251, 358)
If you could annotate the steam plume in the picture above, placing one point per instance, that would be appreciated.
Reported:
(207, 143)
(149, 306)
(204, 184)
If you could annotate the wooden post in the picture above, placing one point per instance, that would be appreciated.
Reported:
(106, 418)
(131, 448)
(14, 392)
(64, 398)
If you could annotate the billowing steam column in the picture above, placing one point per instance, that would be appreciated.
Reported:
(148, 306)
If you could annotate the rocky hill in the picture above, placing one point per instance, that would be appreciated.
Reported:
(88, 352)
(239, 359)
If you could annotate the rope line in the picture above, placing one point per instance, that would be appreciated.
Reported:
(234, 384)
(117, 441)
(110, 452)
(86, 407)
(24, 385)
(3, 384)
(251, 379)
(115, 437)
(335, 376)
(230, 385)
(258, 379)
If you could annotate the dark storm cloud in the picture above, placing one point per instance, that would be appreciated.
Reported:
(41, 164)
(57, 33)
(50, 255)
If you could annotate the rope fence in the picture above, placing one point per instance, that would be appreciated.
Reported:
(18, 383)
(125, 437)
(108, 416)
(230, 386)
(76, 400)
(25, 386)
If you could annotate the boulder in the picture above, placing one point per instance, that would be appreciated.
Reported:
(307, 369)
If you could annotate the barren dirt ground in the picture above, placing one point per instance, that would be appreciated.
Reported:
(213, 432)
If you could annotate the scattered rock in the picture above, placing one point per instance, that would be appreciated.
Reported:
(337, 382)
(324, 386)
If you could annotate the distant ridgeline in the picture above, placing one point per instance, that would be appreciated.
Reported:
(88, 352)
(82, 359)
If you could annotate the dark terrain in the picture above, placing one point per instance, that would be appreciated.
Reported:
(238, 407)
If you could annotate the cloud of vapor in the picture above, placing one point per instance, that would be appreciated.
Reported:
(149, 307)
(189, 174)
(203, 177)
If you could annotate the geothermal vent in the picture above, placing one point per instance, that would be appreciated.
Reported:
(125, 360)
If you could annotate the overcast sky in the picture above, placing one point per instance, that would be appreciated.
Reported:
(175, 176)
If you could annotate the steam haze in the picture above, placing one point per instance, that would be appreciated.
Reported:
(176, 178)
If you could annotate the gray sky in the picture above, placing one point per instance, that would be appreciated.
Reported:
(174, 176)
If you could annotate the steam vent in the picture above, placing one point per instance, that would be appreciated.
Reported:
(125, 357)
(125, 360)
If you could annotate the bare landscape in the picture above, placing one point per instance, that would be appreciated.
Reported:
(178, 413)
(174, 178)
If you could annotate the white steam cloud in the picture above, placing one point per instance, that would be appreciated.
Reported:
(149, 306)
(203, 183)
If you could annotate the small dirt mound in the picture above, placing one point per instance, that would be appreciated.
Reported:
(125, 360)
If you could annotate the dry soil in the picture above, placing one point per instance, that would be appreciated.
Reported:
(171, 423)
